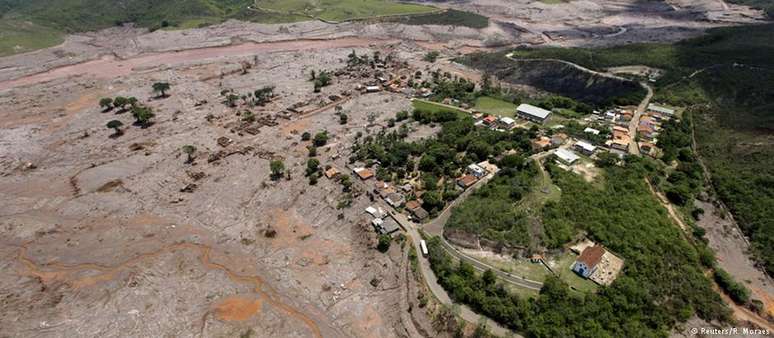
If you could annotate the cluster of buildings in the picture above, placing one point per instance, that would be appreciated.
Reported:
(596, 263)
(474, 172)
(383, 222)
(649, 127)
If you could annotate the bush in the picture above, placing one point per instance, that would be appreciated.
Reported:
(384, 243)
(738, 292)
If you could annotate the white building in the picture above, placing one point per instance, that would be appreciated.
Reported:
(591, 131)
(508, 122)
(532, 113)
(476, 170)
(566, 156)
(585, 147)
(660, 109)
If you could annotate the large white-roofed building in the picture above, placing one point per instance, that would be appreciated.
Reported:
(532, 113)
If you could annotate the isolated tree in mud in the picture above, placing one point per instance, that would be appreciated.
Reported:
(277, 168)
(116, 126)
(263, 95)
(106, 104)
(120, 102)
(161, 88)
(189, 150)
(384, 243)
(143, 115)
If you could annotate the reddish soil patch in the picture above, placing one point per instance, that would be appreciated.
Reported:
(237, 308)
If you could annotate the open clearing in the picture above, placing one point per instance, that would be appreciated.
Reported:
(494, 106)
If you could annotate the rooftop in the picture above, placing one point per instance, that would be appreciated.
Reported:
(660, 109)
(591, 256)
(532, 110)
(566, 155)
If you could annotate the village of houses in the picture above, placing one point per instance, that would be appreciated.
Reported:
(593, 261)
(576, 154)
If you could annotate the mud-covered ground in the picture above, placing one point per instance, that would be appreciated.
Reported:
(99, 240)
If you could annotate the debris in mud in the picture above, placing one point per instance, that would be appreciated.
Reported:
(189, 188)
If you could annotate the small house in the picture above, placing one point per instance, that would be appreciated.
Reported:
(476, 170)
(507, 122)
(587, 262)
(364, 173)
(566, 156)
(489, 119)
(395, 199)
(466, 181)
(331, 172)
(585, 148)
(589, 130)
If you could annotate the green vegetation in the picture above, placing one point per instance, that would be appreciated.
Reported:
(189, 150)
(451, 17)
(384, 243)
(277, 168)
(431, 56)
(726, 77)
(494, 106)
(591, 89)
(738, 292)
(491, 213)
(116, 126)
(662, 282)
(429, 107)
(343, 10)
(18, 36)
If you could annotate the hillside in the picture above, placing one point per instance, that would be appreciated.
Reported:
(730, 72)
(559, 78)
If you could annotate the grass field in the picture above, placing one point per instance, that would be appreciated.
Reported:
(24, 36)
(435, 107)
(451, 17)
(343, 10)
(494, 106)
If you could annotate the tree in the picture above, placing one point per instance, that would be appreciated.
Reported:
(115, 125)
(263, 95)
(132, 101)
(189, 150)
(321, 138)
(277, 168)
(312, 151)
(120, 102)
(306, 136)
(384, 243)
(143, 115)
(312, 166)
(431, 56)
(324, 78)
(231, 100)
(161, 88)
(343, 118)
(106, 104)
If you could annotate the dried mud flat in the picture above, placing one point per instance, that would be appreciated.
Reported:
(99, 240)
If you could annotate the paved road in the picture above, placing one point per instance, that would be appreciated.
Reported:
(440, 293)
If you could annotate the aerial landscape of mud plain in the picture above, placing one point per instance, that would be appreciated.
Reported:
(179, 224)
